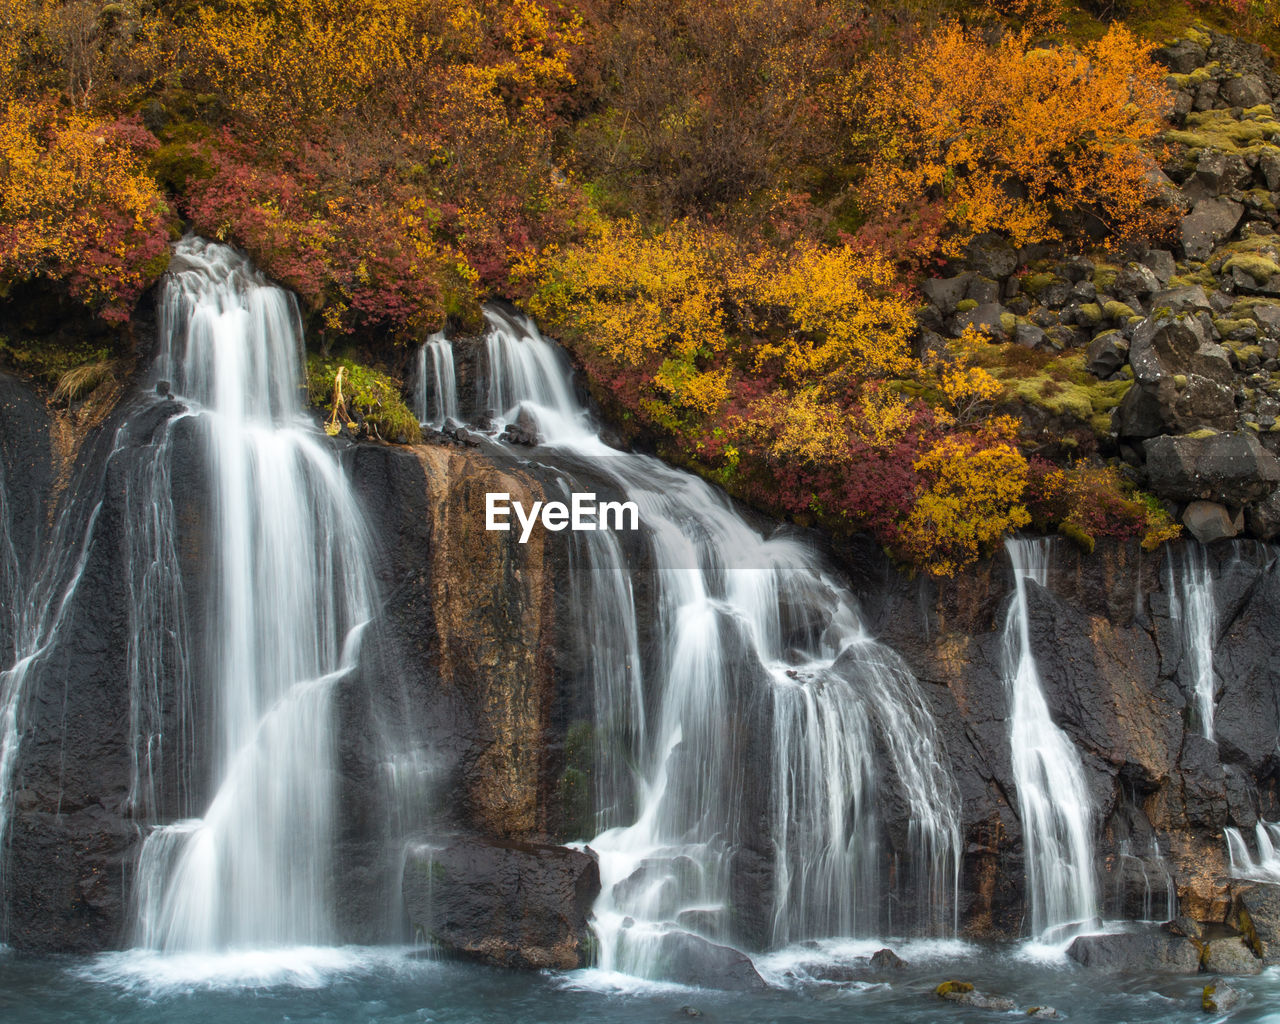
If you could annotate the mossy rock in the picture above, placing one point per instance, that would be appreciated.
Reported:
(949, 987)
(1105, 276)
(373, 401)
(1260, 199)
(1091, 313)
(966, 305)
(1191, 80)
(1063, 387)
(1034, 284)
(1008, 323)
(1116, 311)
(1259, 267)
(1217, 129)
(1199, 35)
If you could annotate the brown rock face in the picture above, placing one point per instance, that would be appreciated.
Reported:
(493, 609)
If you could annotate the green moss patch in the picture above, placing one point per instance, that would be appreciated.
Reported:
(369, 402)
(1217, 129)
(1259, 267)
(1063, 387)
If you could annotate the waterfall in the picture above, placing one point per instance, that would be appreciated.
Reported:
(1193, 608)
(288, 593)
(1053, 799)
(1266, 866)
(760, 661)
(39, 608)
(436, 393)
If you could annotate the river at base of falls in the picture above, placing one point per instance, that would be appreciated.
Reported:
(386, 986)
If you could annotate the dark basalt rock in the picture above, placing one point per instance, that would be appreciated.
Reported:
(691, 960)
(1211, 221)
(1257, 914)
(1148, 949)
(504, 903)
(1229, 468)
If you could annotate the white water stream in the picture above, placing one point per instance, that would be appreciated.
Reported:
(763, 681)
(288, 593)
(1053, 798)
(1193, 608)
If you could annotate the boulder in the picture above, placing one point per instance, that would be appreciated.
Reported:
(1221, 172)
(1171, 345)
(991, 255)
(1150, 949)
(1258, 916)
(1182, 379)
(1161, 263)
(1218, 998)
(1188, 298)
(1028, 335)
(1269, 166)
(983, 290)
(1229, 956)
(504, 903)
(946, 292)
(986, 318)
(691, 960)
(1208, 521)
(1108, 352)
(1210, 221)
(965, 994)
(1228, 468)
(1182, 56)
(886, 959)
(1245, 91)
(1264, 517)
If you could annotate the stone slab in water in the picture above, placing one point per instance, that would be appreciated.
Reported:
(1152, 949)
(505, 903)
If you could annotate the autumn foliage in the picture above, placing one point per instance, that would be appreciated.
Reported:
(77, 204)
(713, 204)
(1032, 141)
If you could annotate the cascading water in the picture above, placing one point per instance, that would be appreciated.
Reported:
(1053, 799)
(1266, 866)
(761, 658)
(289, 593)
(39, 607)
(436, 392)
(1194, 609)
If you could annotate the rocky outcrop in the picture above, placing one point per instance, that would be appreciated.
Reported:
(1183, 340)
(1147, 950)
(506, 903)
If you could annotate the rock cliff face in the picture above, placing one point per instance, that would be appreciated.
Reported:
(458, 729)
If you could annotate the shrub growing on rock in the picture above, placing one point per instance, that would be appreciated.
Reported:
(1016, 137)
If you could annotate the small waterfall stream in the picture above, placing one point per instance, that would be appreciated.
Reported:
(1053, 798)
(1197, 617)
(1266, 866)
(289, 593)
(436, 387)
(761, 660)
(39, 605)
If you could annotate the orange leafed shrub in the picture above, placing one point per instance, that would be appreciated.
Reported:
(77, 202)
(303, 60)
(970, 497)
(825, 310)
(1014, 137)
